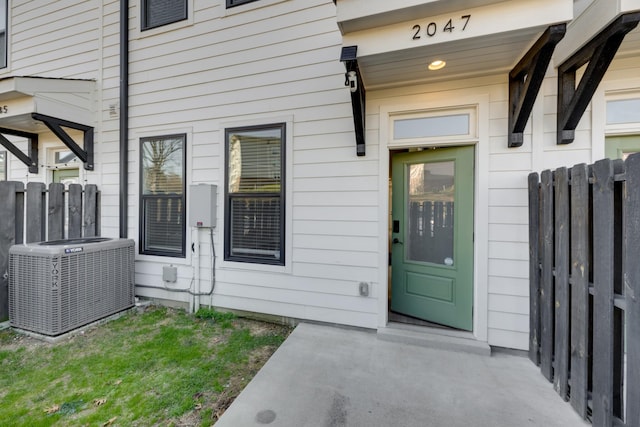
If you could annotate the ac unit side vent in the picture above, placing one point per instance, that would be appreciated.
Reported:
(58, 287)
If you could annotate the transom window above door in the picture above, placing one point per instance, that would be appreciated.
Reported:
(621, 111)
(439, 126)
(427, 127)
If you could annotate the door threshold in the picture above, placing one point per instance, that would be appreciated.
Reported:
(400, 318)
(435, 337)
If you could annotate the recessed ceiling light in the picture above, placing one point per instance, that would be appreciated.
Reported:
(437, 65)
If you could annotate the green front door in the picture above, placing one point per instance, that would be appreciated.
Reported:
(432, 235)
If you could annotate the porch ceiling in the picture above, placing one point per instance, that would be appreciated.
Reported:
(66, 99)
(31, 105)
(490, 54)
(356, 15)
(473, 37)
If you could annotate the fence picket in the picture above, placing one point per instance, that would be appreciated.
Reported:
(7, 233)
(561, 294)
(56, 212)
(534, 269)
(91, 211)
(18, 216)
(618, 315)
(579, 288)
(603, 261)
(631, 279)
(546, 279)
(36, 203)
(75, 211)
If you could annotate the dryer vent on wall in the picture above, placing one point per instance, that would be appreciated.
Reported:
(58, 286)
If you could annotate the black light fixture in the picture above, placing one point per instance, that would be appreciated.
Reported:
(353, 80)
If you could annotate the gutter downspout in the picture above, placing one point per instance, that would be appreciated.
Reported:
(124, 116)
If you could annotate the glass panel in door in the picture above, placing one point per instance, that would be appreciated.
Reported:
(429, 212)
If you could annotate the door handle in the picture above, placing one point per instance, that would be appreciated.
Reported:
(395, 240)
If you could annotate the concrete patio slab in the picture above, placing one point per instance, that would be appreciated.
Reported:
(331, 376)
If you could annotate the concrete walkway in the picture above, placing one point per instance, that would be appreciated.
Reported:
(330, 376)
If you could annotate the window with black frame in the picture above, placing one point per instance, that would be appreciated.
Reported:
(156, 13)
(162, 195)
(254, 208)
(233, 3)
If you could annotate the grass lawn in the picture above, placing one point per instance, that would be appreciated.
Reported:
(160, 367)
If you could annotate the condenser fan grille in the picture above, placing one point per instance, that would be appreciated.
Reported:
(57, 288)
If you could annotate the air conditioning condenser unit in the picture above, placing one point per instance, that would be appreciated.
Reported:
(58, 286)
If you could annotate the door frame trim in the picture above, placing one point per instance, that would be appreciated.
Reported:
(424, 104)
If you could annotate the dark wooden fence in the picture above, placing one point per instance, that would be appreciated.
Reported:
(584, 244)
(35, 214)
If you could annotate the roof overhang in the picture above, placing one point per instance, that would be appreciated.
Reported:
(595, 56)
(591, 22)
(32, 105)
(357, 15)
(66, 99)
(474, 37)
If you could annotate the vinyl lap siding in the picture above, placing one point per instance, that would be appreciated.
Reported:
(508, 302)
(261, 64)
(55, 39)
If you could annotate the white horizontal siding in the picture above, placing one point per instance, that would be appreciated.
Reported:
(331, 198)
(336, 228)
(509, 250)
(509, 339)
(509, 321)
(55, 39)
(509, 286)
(259, 65)
(508, 197)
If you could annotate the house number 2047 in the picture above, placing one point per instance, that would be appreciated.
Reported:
(432, 28)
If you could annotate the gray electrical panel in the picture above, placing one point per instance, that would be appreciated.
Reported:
(202, 205)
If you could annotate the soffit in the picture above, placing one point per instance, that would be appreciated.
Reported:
(66, 99)
(472, 58)
(356, 15)
(496, 36)
(593, 19)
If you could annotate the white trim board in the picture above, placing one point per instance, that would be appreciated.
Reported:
(481, 192)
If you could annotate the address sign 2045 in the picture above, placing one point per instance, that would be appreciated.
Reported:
(433, 28)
